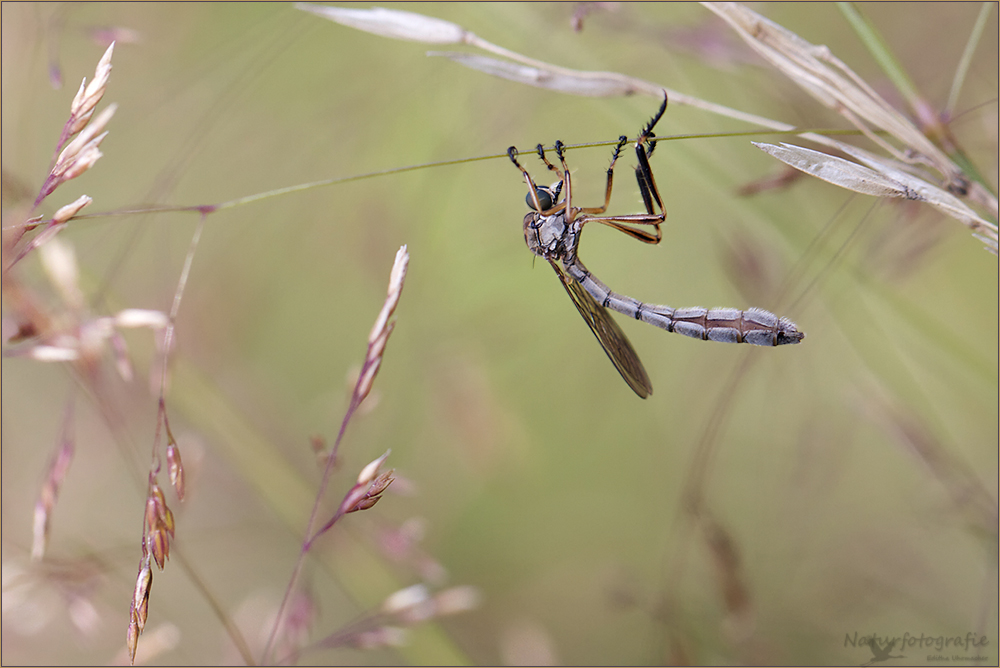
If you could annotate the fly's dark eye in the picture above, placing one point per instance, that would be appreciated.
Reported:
(544, 199)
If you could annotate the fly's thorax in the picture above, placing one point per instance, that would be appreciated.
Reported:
(546, 235)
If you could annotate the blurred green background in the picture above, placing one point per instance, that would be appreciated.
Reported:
(855, 475)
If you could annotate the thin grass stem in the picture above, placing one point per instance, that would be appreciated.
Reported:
(966, 60)
(881, 52)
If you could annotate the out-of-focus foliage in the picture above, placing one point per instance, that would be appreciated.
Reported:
(846, 486)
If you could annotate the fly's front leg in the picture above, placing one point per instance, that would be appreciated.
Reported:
(532, 188)
(647, 130)
(644, 173)
(541, 154)
(647, 184)
(622, 140)
(571, 213)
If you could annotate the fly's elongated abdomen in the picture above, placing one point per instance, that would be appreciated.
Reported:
(728, 325)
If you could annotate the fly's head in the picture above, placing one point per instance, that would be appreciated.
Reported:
(548, 196)
(546, 234)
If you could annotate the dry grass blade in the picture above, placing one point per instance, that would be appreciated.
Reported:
(831, 82)
(416, 27)
(392, 23)
(881, 180)
(812, 67)
(837, 171)
(573, 83)
(934, 195)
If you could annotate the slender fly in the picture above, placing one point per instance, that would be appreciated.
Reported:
(552, 231)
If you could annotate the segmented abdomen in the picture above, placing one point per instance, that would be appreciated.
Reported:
(729, 325)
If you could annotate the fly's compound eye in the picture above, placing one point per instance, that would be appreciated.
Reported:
(544, 196)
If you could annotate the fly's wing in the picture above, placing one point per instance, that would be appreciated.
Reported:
(610, 336)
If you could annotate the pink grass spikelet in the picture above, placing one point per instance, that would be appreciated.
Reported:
(175, 468)
(48, 496)
(87, 158)
(457, 599)
(87, 98)
(119, 350)
(382, 328)
(370, 470)
(406, 599)
(59, 263)
(70, 210)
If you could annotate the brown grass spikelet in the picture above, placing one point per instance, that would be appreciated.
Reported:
(140, 606)
(367, 491)
(132, 640)
(140, 596)
(160, 525)
(373, 494)
(158, 545)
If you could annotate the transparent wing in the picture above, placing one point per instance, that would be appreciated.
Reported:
(610, 336)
